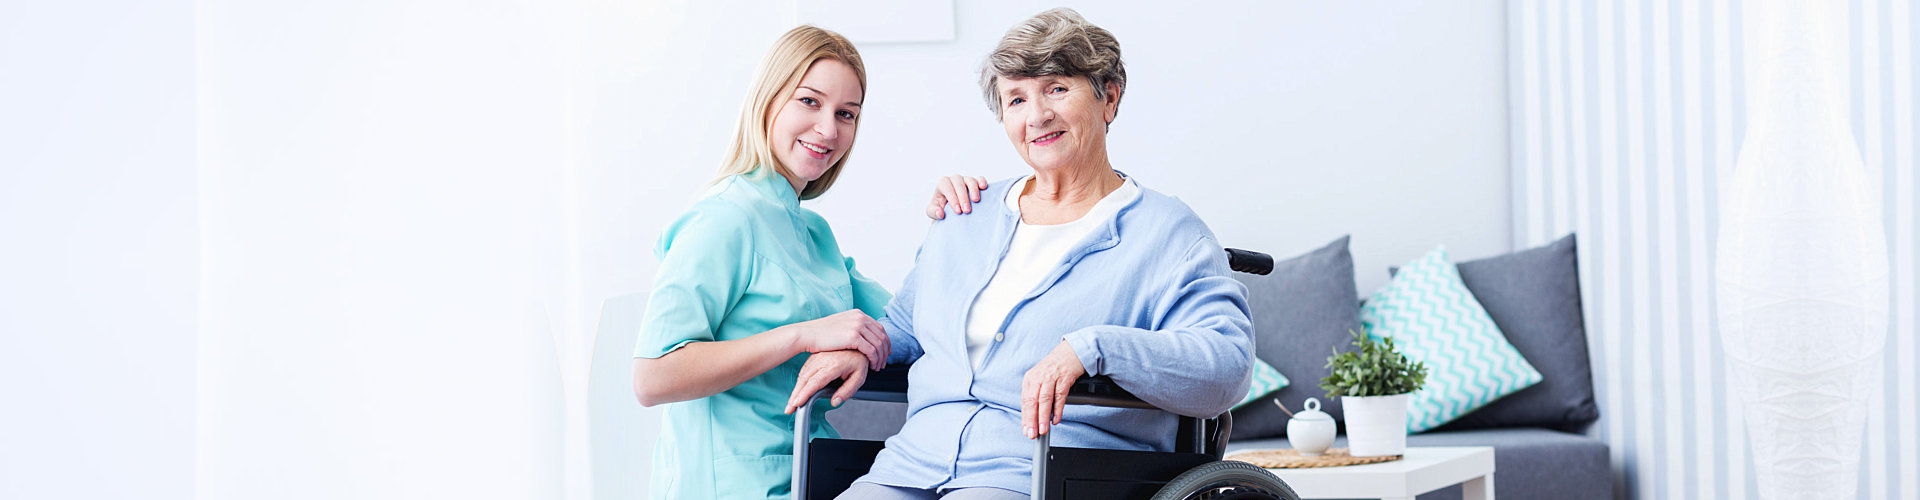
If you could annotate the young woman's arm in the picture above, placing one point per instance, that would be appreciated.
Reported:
(707, 263)
(702, 369)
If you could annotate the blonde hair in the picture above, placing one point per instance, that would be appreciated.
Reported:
(779, 75)
(1057, 42)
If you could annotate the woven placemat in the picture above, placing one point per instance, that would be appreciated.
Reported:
(1292, 459)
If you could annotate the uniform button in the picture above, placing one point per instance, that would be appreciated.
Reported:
(999, 336)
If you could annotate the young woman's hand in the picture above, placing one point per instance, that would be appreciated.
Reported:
(847, 330)
(1043, 392)
(823, 368)
(959, 190)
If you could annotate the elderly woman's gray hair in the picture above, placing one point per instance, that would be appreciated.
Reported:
(1057, 42)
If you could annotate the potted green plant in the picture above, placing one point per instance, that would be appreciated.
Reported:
(1374, 382)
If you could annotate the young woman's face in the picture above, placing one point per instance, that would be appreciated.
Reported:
(815, 124)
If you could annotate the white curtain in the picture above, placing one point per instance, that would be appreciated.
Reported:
(1627, 116)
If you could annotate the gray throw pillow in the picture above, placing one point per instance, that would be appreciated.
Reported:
(1533, 295)
(1301, 312)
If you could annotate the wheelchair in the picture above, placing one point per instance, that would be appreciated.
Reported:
(823, 468)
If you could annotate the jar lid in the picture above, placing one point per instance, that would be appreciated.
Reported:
(1313, 411)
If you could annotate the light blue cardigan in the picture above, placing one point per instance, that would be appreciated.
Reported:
(1145, 300)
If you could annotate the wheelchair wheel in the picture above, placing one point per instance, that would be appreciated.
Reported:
(1226, 480)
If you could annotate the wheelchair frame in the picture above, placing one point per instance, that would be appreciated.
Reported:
(1087, 472)
(1116, 475)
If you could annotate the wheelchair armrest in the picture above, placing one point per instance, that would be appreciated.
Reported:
(890, 385)
(1202, 435)
(1103, 391)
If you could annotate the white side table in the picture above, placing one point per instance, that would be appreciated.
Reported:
(1420, 470)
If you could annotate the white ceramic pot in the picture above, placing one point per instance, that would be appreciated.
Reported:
(1311, 431)
(1376, 425)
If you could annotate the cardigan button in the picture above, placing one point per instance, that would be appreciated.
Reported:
(999, 336)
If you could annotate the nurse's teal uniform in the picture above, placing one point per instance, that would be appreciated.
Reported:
(744, 260)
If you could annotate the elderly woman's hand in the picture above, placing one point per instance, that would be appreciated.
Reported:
(949, 189)
(823, 368)
(1043, 393)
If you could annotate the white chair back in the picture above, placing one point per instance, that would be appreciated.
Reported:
(621, 431)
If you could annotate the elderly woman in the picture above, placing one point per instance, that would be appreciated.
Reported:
(1074, 270)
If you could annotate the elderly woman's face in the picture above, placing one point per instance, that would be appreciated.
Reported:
(813, 127)
(1056, 122)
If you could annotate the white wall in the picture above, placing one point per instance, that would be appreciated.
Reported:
(97, 250)
(407, 214)
(1285, 124)
(383, 250)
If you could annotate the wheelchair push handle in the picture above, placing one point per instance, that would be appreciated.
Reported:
(1250, 262)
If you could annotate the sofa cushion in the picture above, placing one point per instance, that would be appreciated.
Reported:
(1534, 296)
(1435, 320)
(1529, 462)
(1301, 312)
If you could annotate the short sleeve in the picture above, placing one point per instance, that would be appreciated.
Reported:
(706, 262)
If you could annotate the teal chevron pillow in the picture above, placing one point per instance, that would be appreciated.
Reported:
(1265, 381)
(1434, 319)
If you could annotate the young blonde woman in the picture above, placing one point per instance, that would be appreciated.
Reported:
(749, 282)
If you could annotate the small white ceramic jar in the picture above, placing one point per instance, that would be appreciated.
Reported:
(1311, 431)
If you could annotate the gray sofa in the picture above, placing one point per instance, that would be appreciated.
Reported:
(1304, 309)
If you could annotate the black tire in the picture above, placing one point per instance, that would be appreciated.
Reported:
(1225, 480)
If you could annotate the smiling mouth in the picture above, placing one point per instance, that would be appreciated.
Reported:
(1049, 137)
(818, 150)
